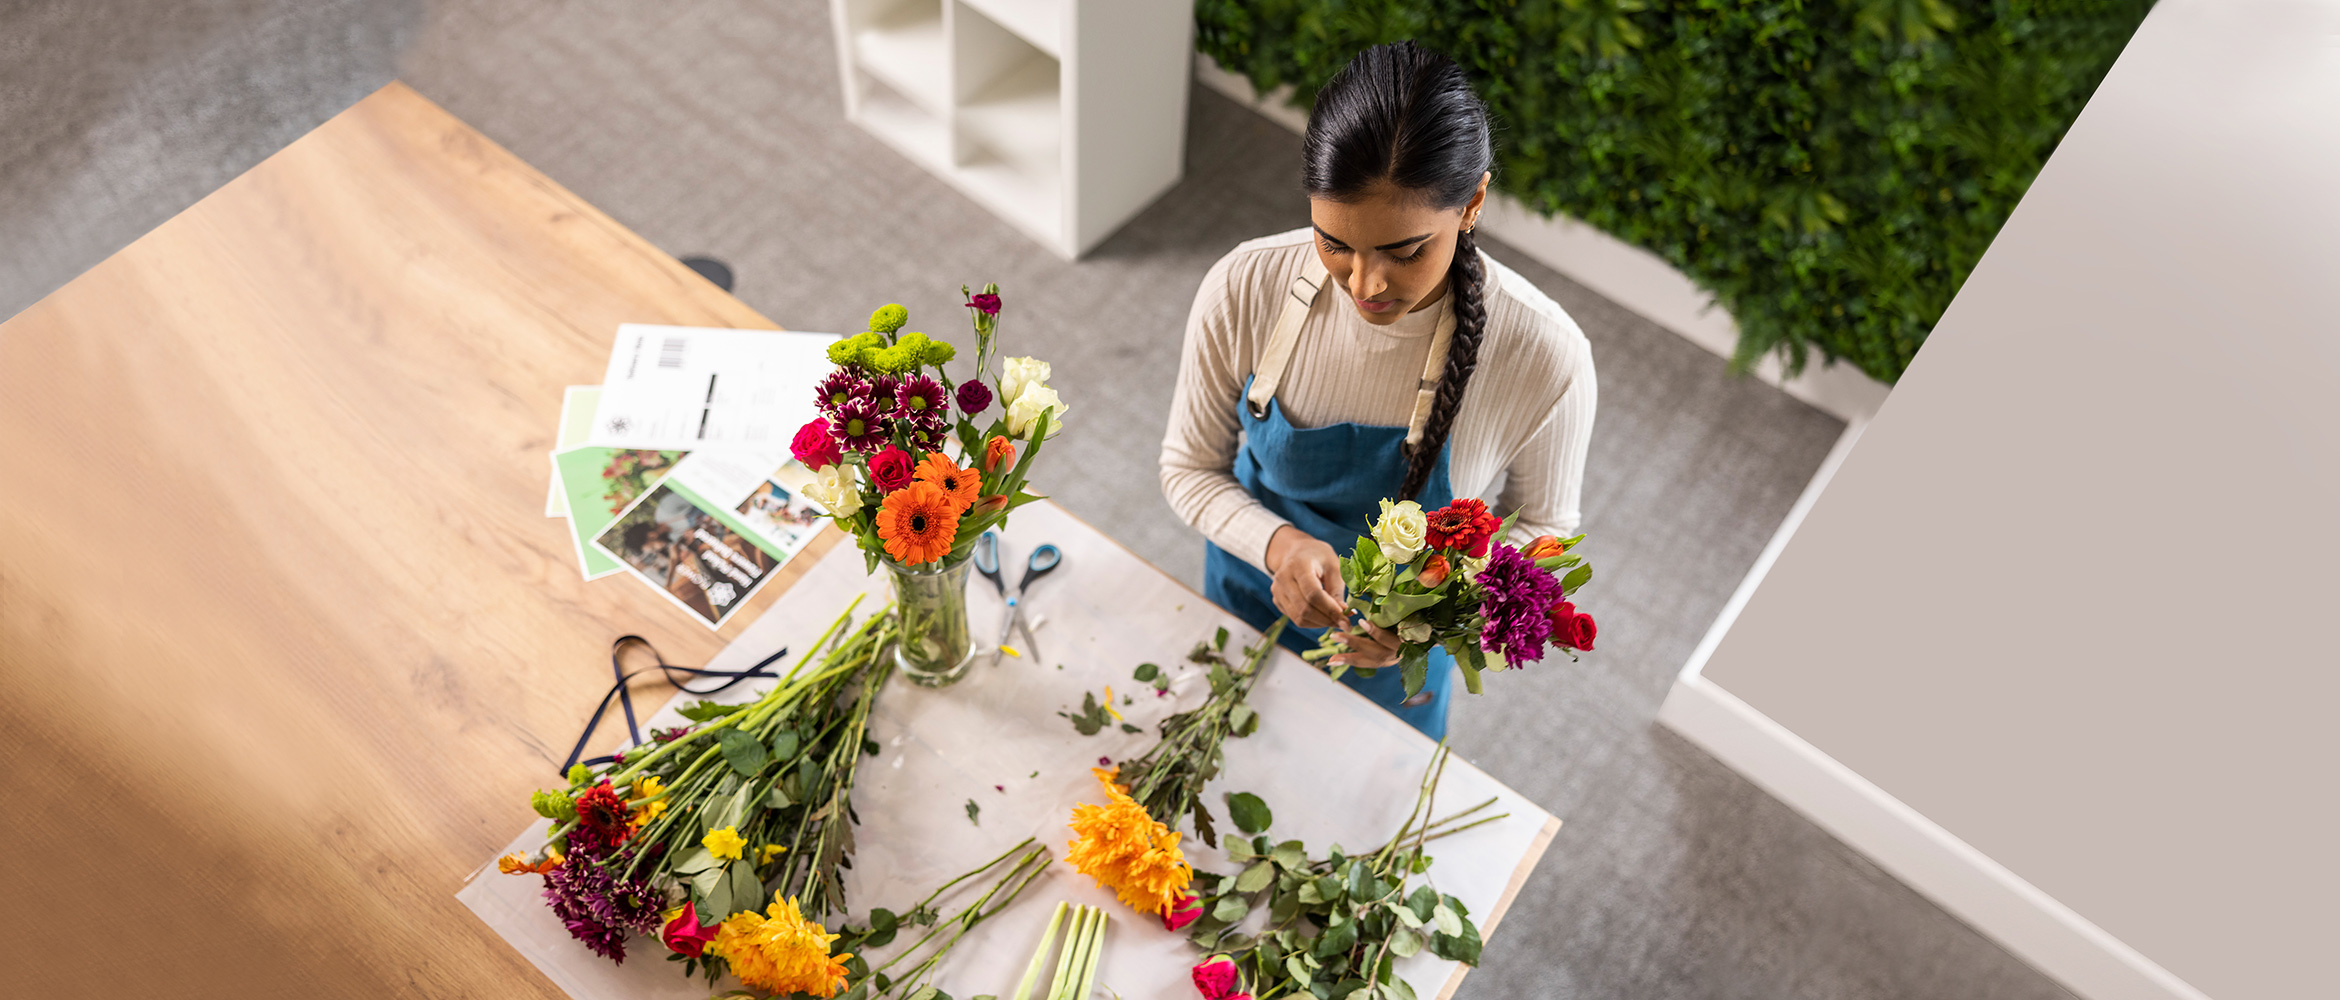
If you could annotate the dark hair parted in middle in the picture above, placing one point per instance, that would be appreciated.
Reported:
(1404, 114)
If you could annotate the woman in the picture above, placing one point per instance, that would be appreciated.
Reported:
(1425, 371)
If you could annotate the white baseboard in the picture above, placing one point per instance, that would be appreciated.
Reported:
(1623, 273)
(1962, 880)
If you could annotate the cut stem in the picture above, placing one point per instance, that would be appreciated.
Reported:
(1040, 956)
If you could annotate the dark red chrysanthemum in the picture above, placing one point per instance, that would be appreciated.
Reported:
(921, 399)
(602, 812)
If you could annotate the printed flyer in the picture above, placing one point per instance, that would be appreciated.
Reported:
(711, 534)
(599, 483)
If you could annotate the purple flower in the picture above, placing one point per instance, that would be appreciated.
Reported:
(883, 388)
(596, 907)
(973, 397)
(984, 302)
(919, 399)
(858, 425)
(1518, 605)
(836, 389)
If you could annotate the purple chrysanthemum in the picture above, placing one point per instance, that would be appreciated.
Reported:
(920, 399)
(858, 425)
(598, 908)
(883, 389)
(1518, 605)
(973, 396)
(836, 389)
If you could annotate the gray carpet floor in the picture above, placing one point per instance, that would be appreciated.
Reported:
(715, 127)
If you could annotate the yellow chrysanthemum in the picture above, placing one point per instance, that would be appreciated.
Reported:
(766, 853)
(1128, 851)
(649, 801)
(724, 842)
(782, 953)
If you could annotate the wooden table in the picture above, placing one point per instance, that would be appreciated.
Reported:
(284, 642)
(283, 633)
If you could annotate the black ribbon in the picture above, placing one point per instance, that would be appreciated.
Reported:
(625, 698)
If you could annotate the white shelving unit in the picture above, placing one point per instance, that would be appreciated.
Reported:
(1063, 117)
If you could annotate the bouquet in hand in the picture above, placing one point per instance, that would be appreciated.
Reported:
(882, 453)
(1447, 579)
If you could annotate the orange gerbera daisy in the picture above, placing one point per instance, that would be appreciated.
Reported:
(919, 523)
(781, 953)
(1128, 851)
(961, 485)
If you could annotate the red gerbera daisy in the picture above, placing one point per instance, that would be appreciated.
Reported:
(1464, 526)
(602, 811)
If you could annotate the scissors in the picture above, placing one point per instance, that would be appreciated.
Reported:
(1043, 561)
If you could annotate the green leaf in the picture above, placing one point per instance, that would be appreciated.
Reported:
(1127, 728)
(1404, 944)
(1576, 578)
(1405, 915)
(1300, 971)
(1397, 988)
(1292, 855)
(1231, 909)
(747, 891)
(1255, 877)
(1422, 902)
(1250, 813)
(1219, 642)
(697, 861)
(784, 745)
(973, 811)
(1242, 720)
(1148, 671)
(742, 752)
(1414, 668)
(1449, 923)
(1462, 948)
(707, 711)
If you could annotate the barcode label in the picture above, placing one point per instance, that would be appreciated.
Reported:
(670, 352)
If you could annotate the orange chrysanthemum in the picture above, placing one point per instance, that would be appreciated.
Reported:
(961, 485)
(1128, 851)
(919, 523)
(783, 953)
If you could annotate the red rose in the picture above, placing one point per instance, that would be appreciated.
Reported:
(684, 935)
(1216, 979)
(890, 469)
(1434, 570)
(1464, 526)
(815, 446)
(1572, 628)
(1188, 910)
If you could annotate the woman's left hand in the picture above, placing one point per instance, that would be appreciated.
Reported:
(1370, 646)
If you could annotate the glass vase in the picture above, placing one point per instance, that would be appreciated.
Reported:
(931, 598)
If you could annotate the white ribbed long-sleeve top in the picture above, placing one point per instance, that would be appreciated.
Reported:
(1518, 440)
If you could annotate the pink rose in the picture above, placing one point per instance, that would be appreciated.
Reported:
(684, 935)
(1188, 910)
(890, 469)
(815, 446)
(1217, 978)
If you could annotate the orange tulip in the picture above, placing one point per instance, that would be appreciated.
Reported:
(1544, 547)
(998, 454)
(1434, 570)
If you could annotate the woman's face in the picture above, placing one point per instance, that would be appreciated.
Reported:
(1390, 248)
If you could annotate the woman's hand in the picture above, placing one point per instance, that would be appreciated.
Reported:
(1307, 573)
(1370, 646)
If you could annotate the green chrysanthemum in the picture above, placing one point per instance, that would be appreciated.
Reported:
(888, 318)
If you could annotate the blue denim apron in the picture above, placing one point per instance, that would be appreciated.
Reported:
(1329, 482)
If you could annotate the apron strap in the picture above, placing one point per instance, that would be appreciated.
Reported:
(1277, 355)
(1299, 300)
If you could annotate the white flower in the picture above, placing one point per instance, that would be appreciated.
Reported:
(1035, 400)
(1018, 374)
(834, 489)
(1402, 531)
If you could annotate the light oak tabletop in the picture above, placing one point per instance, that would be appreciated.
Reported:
(285, 638)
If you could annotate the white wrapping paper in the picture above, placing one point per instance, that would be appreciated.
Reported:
(1334, 768)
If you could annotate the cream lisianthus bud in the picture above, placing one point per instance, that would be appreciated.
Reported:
(1035, 400)
(1017, 374)
(1401, 531)
(833, 488)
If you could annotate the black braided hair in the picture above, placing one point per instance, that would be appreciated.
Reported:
(1405, 114)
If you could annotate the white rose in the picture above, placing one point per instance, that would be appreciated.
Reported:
(1018, 374)
(1402, 531)
(834, 489)
(1035, 400)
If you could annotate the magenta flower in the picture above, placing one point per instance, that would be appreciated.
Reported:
(985, 303)
(973, 397)
(920, 399)
(836, 389)
(859, 427)
(1518, 605)
(598, 908)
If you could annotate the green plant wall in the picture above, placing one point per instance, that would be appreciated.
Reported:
(1831, 170)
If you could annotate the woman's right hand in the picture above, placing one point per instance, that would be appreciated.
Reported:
(1307, 572)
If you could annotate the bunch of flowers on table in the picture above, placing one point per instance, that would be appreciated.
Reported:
(724, 838)
(1336, 925)
(899, 459)
(1446, 578)
(1130, 844)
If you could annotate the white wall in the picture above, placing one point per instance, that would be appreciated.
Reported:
(2060, 643)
